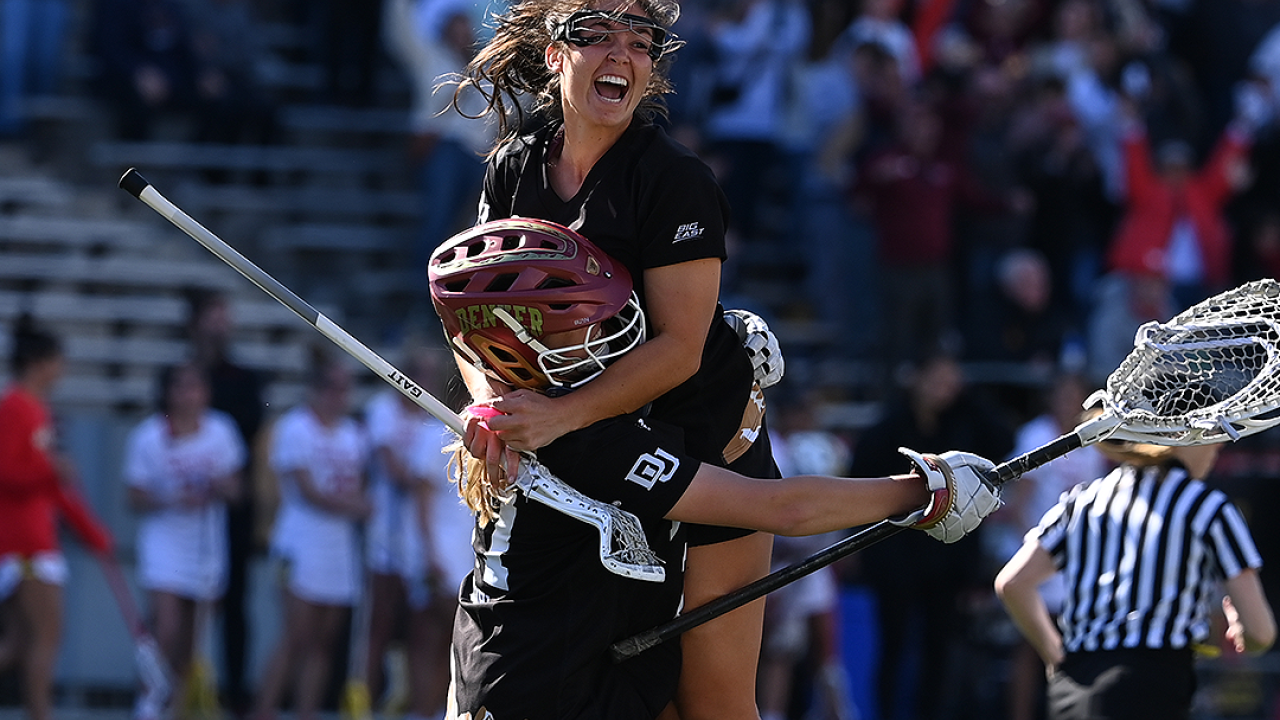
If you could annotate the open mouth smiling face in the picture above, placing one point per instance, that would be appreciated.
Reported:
(612, 87)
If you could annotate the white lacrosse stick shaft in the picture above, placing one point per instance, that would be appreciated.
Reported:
(138, 186)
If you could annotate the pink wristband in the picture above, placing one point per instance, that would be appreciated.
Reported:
(485, 412)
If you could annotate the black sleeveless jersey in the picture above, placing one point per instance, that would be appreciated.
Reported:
(648, 202)
(539, 612)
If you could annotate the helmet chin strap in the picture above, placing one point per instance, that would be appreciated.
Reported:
(521, 334)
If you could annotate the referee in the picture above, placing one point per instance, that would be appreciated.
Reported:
(1146, 552)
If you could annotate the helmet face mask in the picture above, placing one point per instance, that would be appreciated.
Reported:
(588, 27)
(570, 365)
(533, 304)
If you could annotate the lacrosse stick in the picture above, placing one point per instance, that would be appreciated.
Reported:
(200, 691)
(357, 704)
(624, 549)
(1210, 374)
(156, 676)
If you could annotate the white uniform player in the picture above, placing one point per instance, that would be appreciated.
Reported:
(394, 533)
(320, 546)
(183, 550)
(400, 538)
(449, 520)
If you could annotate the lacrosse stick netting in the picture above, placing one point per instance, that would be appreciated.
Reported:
(1207, 375)
(1212, 373)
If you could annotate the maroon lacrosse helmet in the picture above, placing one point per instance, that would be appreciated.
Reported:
(503, 286)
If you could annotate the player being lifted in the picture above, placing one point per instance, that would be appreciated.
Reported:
(592, 73)
(535, 305)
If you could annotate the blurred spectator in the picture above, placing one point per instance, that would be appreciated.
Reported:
(939, 411)
(879, 22)
(1072, 214)
(1021, 325)
(183, 465)
(1073, 26)
(801, 653)
(147, 62)
(1094, 98)
(238, 392)
(1121, 305)
(418, 539)
(825, 128)
(33, 35)
(759, 45)
(1216, 39)
(1173, 246)
(434, 40)
(37, 487)
(883, 93)
(1003, 30)
(914, 190)
(318, 454)
(1025, 502)
(1174, 225)
(235, 107)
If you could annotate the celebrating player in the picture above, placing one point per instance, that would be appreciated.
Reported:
(596, 71)
(535, 305)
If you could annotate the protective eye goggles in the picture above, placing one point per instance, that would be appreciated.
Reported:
(588, 27)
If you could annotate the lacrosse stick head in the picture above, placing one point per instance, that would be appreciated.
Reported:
(624, 548)
(157, 680)
(503, 287)
(1210, 374)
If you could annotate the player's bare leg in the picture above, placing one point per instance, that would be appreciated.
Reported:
(718, 674)
(317, 657)
(174, 622)
(41, 606)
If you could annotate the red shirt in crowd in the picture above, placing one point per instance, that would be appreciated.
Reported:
(1141, 243)
(32, 497)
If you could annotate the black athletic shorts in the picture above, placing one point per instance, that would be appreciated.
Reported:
(1126, 684)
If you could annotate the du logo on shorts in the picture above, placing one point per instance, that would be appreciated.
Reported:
(652, 468)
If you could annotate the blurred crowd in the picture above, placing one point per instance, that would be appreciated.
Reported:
(960, 182)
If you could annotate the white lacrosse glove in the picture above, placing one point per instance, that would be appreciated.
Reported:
(761, 346)
(962, 495)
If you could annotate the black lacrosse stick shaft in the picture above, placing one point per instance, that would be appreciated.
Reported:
(637, 644)
(999, 475)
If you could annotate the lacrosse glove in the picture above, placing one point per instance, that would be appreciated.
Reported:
(761, 346)
(962, 495)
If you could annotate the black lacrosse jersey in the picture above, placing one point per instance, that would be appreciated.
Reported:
(537, 615)
(648, 202)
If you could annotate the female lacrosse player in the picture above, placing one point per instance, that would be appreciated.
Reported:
(558, 575)
(35, 488)
(1145, 552)
(318, 454)
(183, 465)
(595, 75)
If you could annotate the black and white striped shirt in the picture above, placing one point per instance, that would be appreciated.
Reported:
(1143, 552)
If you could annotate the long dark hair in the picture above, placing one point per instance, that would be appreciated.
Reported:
(168, 376)
(512, 66)
(31, 345)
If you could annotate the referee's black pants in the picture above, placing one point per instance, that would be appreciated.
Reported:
(1125, 684)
